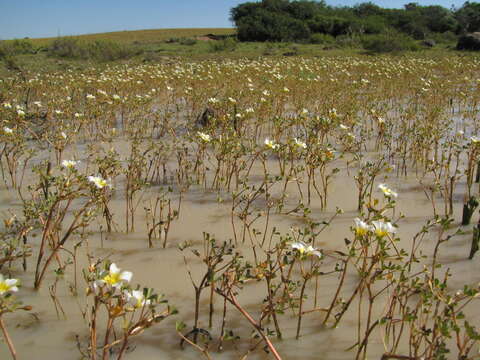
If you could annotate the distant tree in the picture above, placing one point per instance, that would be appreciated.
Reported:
(468, 17)
(264, 25)
(413, 6)
(367, 9)
(243, 11)
(438, 19)
(302, 10)
(284, 20)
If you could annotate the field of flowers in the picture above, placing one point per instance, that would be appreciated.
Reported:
(287, 208)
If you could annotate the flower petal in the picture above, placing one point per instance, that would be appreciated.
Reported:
(114, 269)
(126, 276)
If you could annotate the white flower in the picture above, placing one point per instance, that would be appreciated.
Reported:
(69, 164)
(213, 100)
(7, 285)
(137, 299)
(300, 144)
(361, 227)
(383, 228)
(63, 135)
(7, 105)
(475, 140)
(115, 277)
(116, 97)
(77, 115)
(58, 112)
(285, 89)
(343, 127)
(20, 112)
(305, 249)
(271, 145)
(204, 137)
(387, 191)
(98, 181)
(232, 100)
(7, 130)
(90, 96)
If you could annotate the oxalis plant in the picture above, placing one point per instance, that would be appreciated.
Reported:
(9, 304)
(128, 310)
(58, 192)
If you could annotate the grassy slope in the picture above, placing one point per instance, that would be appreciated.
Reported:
(154, 47)
(145, 36)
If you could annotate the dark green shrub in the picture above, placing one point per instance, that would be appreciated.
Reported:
(172, 40)
(373, 25)
(388, 43)
(104, 50)
(265, 25)
(228, 44)
(447, 37)
(66, 47)
(188, 41)
(322, 39)
(297, 20)
(348, 42)
(15, 47)
(101, 50)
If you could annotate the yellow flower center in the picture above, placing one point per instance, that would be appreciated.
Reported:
(381, 233)
(361, 231)
(4, 287)
(112, 278)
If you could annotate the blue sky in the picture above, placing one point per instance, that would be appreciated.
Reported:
(42, 18)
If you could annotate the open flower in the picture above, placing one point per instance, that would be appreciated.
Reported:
(300, 143)
(115, 277)
(383, 228)
(306, 250)
(361, 227)
(69, 164)
(137, 299)
(7, 285)
(204, 137)
(7, 130)
(271, 144)
(99, 182)
(387, 191)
